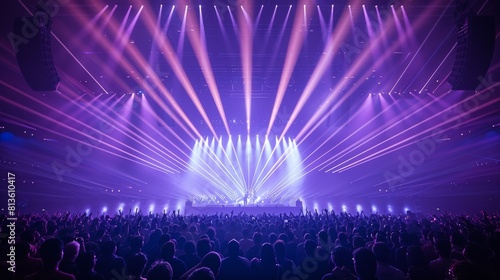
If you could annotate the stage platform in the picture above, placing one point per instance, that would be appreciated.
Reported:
(249, 209)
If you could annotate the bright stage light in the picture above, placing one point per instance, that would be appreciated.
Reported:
(120, 207)
(358, 208)
(104, 209)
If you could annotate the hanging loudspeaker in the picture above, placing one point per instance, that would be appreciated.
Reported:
(31, 41)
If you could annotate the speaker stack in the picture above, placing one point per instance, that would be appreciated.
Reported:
(475, 46)
(33, 53)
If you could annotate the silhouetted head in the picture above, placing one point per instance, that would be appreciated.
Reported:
(203, 246)
(365, 263)
(233, 248)
(212, 260)
(108, 248)
(443, 247)
(136, 264)
(137, 242)
(464, 270)
(202, 273)
(341, 256)
(51, 251)
(279, 248)
(309, 247)
(257, 238)
(160, 270)
(71, 250)
(22, 249)
(190, 248)
(168, 250)
(267, 253)
(86, 261)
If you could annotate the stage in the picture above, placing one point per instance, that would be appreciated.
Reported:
(249, 209)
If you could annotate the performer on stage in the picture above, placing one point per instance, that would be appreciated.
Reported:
(245, 199)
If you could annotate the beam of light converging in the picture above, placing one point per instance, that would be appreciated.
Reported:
(399, 28)
(408, 140)
(80, 62)
(233, 20)
(91, 27)
(130, 69)
(203, 36)
(182, 33)
(198, 42)
(207, 156)
(248, 155)
(209, 175)
(437, 68)
(381, 28)
(353, 69)
(246, 46)
(324, 28)
(129, 132)
(371, 32)
(231, 149)
(269, 158)
(369, 28)
(351, 20)
(221, 26)
(153, 56)
(91, 24)
(179, 71)
(279, 41)
(294, 46)
(270, 27)
(154, 144)
(123, 36)
(265, 148)
(332, 47)
(231, 175)
(409, 28)
(108, 119)
(420, 47)
(291, 158)
(354, 133)
(236, 180)
(386, 127)
(281, 154)
(294, 175)
(133, 157)
(97, 111)
(378, 62)
(106, 67)
(418, 24)
(330, 23)
(205, 152)
(257, 20)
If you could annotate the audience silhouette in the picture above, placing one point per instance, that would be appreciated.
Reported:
(310, 245)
